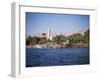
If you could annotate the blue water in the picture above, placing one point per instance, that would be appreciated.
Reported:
(56, 56)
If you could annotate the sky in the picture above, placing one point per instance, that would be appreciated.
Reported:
(37, 23)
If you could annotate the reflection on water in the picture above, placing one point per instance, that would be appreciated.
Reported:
(56, 56)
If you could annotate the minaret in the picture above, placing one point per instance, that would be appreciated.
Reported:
(49, 37)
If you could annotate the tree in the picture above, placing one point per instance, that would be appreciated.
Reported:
(75, 38)
(42, 40)
(59, 39)
(34, 40)
(28, 40)
(86, 36)
(43, 34)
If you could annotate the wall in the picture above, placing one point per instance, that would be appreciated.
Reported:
(5, 41)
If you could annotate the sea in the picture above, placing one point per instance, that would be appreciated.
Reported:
(38, 57)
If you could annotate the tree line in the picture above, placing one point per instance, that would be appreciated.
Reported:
(59, 39)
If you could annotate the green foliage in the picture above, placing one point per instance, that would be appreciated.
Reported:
(42, 40)
(34, 40)
(28, 40)
(75, 38)
(59, 39)
(86, 37)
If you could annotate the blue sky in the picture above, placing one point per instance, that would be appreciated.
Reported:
(58, 23)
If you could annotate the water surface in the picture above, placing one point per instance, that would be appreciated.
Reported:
(56, 56)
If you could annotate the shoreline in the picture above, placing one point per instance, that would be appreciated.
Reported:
(85, 45)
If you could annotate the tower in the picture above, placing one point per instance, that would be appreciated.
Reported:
(49, 37)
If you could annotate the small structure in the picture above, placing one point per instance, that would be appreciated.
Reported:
(66, 44)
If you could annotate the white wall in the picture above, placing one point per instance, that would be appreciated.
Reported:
(5, 40)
